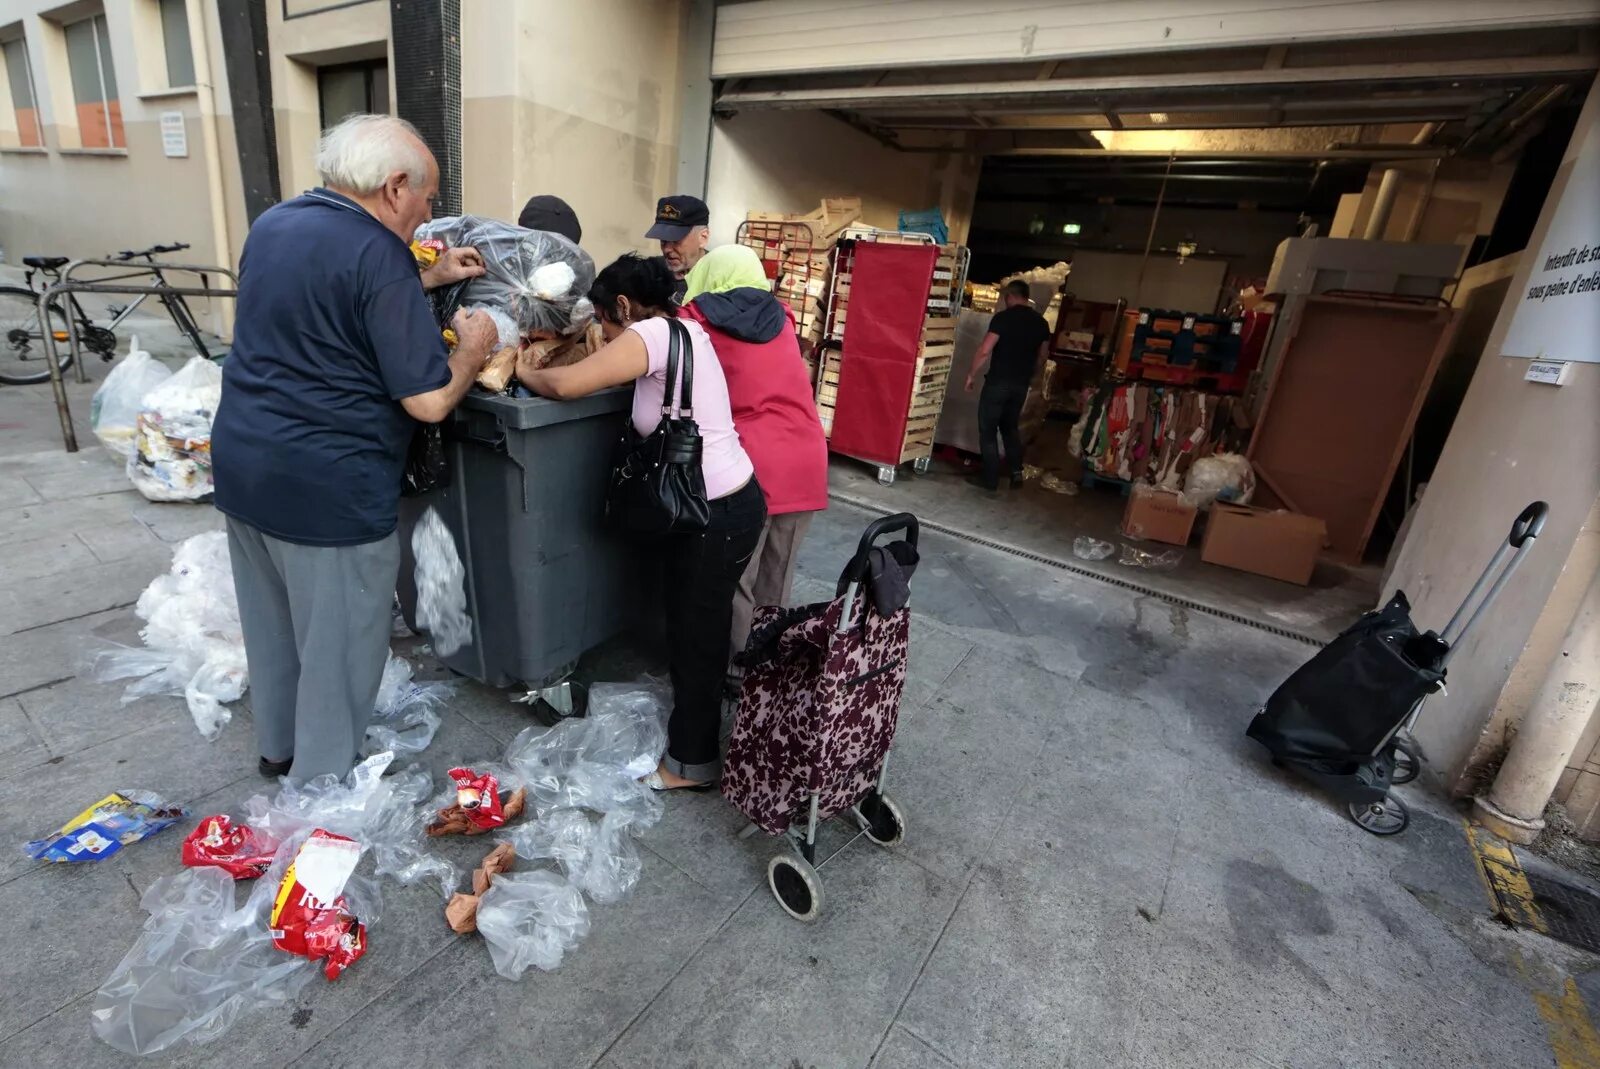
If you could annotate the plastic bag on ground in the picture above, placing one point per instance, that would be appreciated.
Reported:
(114, 412)
(171, 460)
(534, 276)
(1219, 477)
(531, 919)
(598, 857)
(1057, 485)
(1162, 561)
(405, 716)
(1086, 548)
(441, 585)
(194, 644)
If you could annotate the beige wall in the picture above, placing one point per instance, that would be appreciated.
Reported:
(576, 100)
(1512, 442)
(1453, 205)
(787, 161)
(85, 204)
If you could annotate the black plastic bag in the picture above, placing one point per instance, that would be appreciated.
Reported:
(1342, 704)
(427, 466)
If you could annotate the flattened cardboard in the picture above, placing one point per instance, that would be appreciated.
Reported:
(1280, 545)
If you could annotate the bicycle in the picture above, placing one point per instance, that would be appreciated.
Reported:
(22, 349)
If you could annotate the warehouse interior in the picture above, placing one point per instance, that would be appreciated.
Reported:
(1405, 174)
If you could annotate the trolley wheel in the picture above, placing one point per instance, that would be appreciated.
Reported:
(1387, 816)
(921, 465)
(881, 820)
(1406, 765)
(796, 886)
(886, 476)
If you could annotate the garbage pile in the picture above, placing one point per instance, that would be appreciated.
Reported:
(171, 460)
(114, 411)
(194, 643)
(319, 852)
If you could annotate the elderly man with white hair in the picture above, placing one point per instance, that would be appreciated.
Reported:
(335, 356)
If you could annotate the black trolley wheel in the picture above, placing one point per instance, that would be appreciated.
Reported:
(796, 886)
(881, 820)
(1406, 764)
(1385, 816)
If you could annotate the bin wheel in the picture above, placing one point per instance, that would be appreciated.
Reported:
(921, 465)
(1406, 765)
(796, 886)
(886, 476)
(1386, 816)
(881, 820)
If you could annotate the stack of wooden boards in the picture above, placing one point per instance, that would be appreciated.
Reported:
(795, 249)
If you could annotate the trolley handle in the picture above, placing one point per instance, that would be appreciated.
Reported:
(1529, 525)
(856, 570)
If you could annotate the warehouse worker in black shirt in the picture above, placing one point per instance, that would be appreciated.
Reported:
(1017, 340)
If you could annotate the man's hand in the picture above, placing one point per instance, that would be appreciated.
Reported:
(970, 382)
(476, 336)
(453, 265)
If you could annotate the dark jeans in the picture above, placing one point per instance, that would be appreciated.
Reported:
(700, 573)
(1000, 412)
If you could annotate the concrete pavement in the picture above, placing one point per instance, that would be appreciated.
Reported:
(1100, 870)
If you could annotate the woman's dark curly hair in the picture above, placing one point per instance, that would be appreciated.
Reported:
(646, 281)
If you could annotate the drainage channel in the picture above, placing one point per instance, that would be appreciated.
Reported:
(1087, 573)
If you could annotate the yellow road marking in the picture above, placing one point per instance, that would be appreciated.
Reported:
(1568, 1027)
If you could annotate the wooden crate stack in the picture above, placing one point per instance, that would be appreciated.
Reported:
(796, 249)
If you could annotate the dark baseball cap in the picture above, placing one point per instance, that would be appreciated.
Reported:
(551, 214)
(676, 216)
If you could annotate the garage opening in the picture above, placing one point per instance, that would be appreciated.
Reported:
(1267, 274)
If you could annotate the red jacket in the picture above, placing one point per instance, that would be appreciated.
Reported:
(773, 407)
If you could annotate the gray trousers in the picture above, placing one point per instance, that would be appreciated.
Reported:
(316, 633)
(769, 577)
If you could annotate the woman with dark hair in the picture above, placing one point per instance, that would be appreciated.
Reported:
(633, 301)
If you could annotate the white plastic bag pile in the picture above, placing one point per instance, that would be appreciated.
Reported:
(406, 715)
(114, 412)
(193, 644)
(441, 585)
(582, 781)
(202, 960)
(1219, 477)
(172, 456)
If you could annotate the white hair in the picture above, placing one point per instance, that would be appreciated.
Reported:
(362, 151)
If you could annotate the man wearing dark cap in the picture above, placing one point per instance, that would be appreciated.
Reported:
(552, 215)
(683, 226)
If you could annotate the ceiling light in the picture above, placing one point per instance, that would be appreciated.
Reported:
(1158, 116)
(1185, 250)
(1070, 228)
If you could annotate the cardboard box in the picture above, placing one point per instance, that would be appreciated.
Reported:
(1159, 515)
(1281, 545)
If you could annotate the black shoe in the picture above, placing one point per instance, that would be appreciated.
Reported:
(1017, 481)
(274, 769)
(977, 480)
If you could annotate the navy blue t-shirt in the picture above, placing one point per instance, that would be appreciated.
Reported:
(332, 330)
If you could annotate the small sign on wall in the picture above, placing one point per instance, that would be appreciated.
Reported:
(174, 134)
(1549, 372)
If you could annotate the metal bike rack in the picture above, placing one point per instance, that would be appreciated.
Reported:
(109, 287)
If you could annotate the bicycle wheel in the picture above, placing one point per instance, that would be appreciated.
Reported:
(22, 351)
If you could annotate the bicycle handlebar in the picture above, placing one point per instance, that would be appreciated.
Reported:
(154, 250)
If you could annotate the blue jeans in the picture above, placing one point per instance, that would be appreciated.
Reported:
(999, 416)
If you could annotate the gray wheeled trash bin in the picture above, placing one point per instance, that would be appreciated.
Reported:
(546, 579)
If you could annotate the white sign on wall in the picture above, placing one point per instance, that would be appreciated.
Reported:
(174, 135)
(1558, 317)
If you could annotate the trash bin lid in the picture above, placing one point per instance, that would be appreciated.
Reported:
(530, 413)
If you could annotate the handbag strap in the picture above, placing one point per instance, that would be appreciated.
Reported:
(678, 341)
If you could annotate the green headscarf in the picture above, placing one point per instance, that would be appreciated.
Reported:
(724, 268)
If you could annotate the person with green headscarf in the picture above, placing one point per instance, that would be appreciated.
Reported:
(774, 411)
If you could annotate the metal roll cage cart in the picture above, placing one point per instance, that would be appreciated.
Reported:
(110, 286)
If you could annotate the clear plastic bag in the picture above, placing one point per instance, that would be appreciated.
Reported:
(194, 644)
(531, 919)
(534, 276)
(441, 585)
(405, 715)
(1219, 477)
(598, 857)
(1163, 561)
(114, 412)
(171, 460)
(506, 327)
(1086, 548)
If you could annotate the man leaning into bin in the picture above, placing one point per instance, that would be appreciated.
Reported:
(335, 355)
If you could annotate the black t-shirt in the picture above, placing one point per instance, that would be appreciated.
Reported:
(1018, 331)
(332, 330)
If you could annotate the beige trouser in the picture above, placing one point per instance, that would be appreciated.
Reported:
(769, 576)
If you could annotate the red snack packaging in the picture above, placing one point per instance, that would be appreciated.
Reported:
(237, 848)
(479, 796)
(310, 915)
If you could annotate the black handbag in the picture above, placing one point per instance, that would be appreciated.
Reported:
(658, 487)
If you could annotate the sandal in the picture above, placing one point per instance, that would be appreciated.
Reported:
(656, 783)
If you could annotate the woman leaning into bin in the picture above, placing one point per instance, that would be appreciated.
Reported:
(774, 412)
(700, 571)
